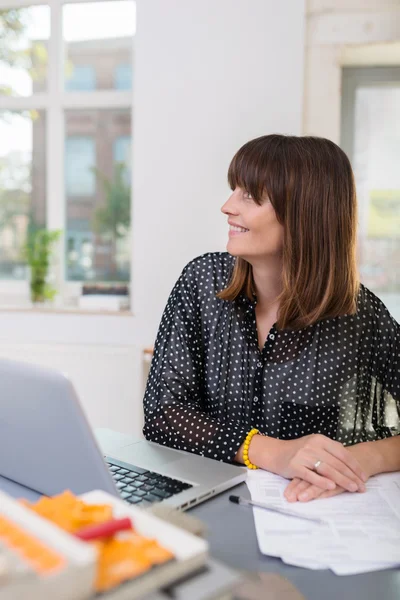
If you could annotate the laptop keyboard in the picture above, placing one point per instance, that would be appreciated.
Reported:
(138, 486)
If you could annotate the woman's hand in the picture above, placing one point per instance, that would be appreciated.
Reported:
(337, 467)
(303, 491)
(299, 490)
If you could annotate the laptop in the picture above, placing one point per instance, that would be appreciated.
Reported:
(46, 444)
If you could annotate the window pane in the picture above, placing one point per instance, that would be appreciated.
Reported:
(97, 168)
(22, 185)
(80, 160)
(98, 38)
(376, 166)
(123, 77)
(24, 33)
(122, 154)
(82, 78)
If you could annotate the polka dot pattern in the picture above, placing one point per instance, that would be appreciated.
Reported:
(209, 383)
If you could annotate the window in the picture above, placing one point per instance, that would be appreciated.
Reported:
(122, 155)
(24, 36)
(123, 77)
(66, 176)
(22, 185)
(80, 161)
(371, 137)
(98, 194)
(82, 78)
(98, 37)
(79, 250)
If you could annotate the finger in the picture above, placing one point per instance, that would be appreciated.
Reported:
(302, 488)
(292, 485)
(312, 477)
(311, 493)
(339, 451)
(331, 493)
(346, 472)
(334, 469)
(292, 490)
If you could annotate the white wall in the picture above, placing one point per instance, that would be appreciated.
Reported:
(209, 75)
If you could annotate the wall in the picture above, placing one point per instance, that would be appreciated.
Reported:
(208, 77)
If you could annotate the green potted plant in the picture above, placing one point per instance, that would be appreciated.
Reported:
(37, 252)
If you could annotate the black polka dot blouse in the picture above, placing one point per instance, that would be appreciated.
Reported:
(209, 383)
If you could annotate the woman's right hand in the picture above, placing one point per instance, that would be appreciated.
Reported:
(297, 458)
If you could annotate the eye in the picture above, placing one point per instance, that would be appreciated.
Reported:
(247, 195)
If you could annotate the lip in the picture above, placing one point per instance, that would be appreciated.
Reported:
(235, 224)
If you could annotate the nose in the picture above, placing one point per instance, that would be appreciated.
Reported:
(230, 208)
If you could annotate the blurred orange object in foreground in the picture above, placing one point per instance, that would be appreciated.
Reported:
(121, 557)
(43, 560)
(69, 512)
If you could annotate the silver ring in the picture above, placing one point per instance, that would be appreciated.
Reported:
(317, 464)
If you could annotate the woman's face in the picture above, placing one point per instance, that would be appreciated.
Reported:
(254, 231)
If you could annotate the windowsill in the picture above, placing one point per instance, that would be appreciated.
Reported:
(59, 310)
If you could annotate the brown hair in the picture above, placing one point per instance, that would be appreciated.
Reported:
(310, 183)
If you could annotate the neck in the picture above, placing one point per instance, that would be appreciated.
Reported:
(267, 278)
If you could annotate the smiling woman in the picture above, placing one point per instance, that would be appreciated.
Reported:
(274, 354)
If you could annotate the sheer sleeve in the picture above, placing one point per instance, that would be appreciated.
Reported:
(388, 349)
(173, 402)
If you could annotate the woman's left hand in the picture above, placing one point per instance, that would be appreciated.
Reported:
(300, 490)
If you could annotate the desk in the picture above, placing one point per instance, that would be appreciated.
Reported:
(232, 539)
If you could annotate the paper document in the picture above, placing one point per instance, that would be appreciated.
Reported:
(360, 533)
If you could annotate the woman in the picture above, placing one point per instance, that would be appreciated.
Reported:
(277, 335)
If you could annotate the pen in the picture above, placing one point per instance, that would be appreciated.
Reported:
(281, 511)
(102, 530)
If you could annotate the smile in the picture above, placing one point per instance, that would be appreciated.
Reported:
(236, 229)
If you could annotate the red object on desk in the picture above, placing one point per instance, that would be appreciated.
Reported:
(107, 529)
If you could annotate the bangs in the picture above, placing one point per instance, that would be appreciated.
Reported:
(254, 168)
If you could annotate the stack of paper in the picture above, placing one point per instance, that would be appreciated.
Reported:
(359, 533)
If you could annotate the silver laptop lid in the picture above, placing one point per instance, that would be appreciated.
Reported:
(46, 443)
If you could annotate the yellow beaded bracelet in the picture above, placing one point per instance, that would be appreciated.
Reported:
(247, 441)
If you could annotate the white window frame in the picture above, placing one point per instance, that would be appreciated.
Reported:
(55, 101)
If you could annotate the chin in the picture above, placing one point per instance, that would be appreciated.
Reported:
(230, 248)
(232, 252)
(237, 254)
